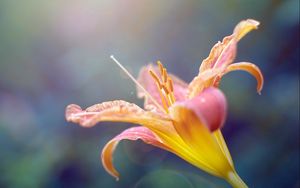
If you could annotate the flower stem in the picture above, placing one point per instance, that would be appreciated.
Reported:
(235, 181)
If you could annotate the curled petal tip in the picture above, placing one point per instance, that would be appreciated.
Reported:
(253, 22)
(259, 92)
(260, 84)
(250, 68)
(133, 133)
(70, 111)
(245, 27)
(107, 158)
(116, 176)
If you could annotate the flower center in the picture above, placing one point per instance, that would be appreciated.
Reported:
(164, 85)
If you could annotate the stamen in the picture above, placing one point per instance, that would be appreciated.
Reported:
(171, 88)
(159, 88)
(165, 89)
(165, 75)
(154, 76)
(163, 99)
(161, 67)
(164, 86)
(170, 85)
(167, 95)
(136, 82)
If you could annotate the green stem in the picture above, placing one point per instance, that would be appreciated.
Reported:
(235, 181)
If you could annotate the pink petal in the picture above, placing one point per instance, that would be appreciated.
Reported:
(145, 79)
(133, 133)
(210, 106)
(223, 53)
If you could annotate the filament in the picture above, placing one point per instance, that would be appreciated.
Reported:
(136, 82)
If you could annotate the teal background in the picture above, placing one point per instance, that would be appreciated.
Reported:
(53, 53)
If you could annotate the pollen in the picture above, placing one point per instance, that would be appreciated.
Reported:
(164, 85)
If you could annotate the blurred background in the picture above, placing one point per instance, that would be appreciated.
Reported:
(53, 53)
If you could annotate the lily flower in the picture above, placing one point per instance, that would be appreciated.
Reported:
(185, 119)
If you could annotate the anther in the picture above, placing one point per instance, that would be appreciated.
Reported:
(164, 75)
(154, 76)
(164, 85)
(161, 67)
(170, 84)
(165, 89)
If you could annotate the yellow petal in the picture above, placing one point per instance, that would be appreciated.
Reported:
(196, 135)
(250, 68)
(180, 148)
(222, 144)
